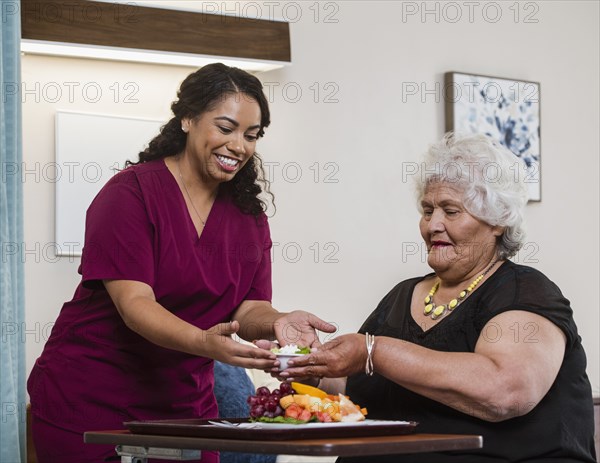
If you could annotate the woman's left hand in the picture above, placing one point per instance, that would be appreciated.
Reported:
(340, 357)
(300, 328)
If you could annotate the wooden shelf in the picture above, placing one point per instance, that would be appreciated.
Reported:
(135, 27)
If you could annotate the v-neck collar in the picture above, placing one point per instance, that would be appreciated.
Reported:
(434, 328)
(213, 220)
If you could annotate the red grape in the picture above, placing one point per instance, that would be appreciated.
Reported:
(285, 388)
(266, 403)
(253, 400)
(257, 411)
(263, 391)
(271, 405)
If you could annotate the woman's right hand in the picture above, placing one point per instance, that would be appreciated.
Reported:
(217, 343)
(342, 356)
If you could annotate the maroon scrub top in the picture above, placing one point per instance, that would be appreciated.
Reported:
(94, 372)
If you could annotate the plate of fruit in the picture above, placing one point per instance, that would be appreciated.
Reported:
(292, 411)
(297, 403)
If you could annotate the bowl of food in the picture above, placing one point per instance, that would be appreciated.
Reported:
(286, 353)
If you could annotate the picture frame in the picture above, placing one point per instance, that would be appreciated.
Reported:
(90, 149)
(507, 110)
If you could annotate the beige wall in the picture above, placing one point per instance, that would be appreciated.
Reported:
(357, 132)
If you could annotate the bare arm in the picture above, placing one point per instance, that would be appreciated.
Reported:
(256, 319)
(137, 305)
(506, 376)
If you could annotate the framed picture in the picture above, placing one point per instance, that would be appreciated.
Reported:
(506, 109)
(86, 158)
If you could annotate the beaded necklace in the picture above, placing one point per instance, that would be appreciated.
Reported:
(437, 311)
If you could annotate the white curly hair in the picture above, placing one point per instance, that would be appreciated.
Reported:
(491, 178)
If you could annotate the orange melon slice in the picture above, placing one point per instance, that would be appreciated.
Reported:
(309, 390)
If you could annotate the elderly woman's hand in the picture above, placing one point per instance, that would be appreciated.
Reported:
(340, 357)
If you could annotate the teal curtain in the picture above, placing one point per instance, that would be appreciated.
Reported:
(12, 348)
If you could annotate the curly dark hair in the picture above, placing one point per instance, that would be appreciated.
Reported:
(200, 92)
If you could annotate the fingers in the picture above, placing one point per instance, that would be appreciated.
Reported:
(258, 359)
(311, 371)
(300, 327)
(316, 344)
(226, 329)
(321, 325)
(308, 365)
(304, 360)
(252, 364)
(265, 344)
(228, 350)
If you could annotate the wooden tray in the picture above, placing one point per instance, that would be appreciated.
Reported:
(242, 428)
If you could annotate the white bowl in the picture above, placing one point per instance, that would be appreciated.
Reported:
(285, 358)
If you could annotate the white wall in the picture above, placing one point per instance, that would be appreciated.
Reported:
(366, 221)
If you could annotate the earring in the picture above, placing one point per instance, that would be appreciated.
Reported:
(185, 129)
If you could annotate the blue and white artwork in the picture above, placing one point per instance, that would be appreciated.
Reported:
(507, 110)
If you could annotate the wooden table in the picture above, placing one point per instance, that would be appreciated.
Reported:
(356, 446)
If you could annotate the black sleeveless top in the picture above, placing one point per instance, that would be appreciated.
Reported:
(560, 428)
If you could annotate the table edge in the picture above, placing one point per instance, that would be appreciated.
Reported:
(312, 447)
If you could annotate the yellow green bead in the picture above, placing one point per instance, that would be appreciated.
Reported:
(452, 304)
(439, 310)
(463, 294)
(428, 299)
(428, 308)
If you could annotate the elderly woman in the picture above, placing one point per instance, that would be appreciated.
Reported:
(480, 346)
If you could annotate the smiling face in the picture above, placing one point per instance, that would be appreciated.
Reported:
(220, 141)
(460, 246)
